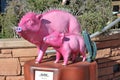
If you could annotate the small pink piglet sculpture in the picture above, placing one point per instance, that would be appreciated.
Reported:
(66, 45)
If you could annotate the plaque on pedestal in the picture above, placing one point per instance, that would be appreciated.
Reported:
(50, 71)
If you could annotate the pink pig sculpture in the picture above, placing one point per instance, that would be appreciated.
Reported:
(34, 27)
(66, 45)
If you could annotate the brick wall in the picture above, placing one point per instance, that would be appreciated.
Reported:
(15, 52)
(108, 57)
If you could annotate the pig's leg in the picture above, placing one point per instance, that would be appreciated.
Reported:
(58, 56)
(41, 51)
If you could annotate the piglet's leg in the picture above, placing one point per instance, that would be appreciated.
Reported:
(74, 56)
(65, 61)
(84, 56)
(83, 51)
(66, 56)
(41, 51)
(58, 56)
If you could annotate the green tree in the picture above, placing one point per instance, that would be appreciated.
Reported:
(92, 14)
(96, 14)
(10, 18)
(42, 5)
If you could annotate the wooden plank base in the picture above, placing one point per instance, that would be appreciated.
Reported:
(76, 71)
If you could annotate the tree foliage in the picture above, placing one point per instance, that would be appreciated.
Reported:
(96, 14)
(10, 18)
(92, 14)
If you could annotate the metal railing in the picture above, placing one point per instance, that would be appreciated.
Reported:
(105, 28)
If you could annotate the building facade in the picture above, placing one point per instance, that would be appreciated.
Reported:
(2, 5)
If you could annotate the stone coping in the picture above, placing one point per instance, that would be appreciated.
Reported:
(116, 2)
(21, 43)
(15, 43)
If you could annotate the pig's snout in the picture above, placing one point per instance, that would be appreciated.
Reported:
(18, 29)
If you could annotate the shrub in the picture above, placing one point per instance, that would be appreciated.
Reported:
(92, 14)
(10, 18)
(95, 14)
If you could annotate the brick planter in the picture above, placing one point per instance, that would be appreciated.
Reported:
(15, 52)
(108, 57)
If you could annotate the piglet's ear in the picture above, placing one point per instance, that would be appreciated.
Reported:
(38, 16)
(62, 35)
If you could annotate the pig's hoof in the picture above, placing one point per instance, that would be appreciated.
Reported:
(36, 62)
(83, 59)
(55, 61)
(64, 64)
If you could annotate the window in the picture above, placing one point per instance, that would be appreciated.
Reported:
(2, 5)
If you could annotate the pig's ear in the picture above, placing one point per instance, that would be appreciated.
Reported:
(62, 35)
(38, 16)
(29, 21)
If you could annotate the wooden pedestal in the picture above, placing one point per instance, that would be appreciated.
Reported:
(50, 71)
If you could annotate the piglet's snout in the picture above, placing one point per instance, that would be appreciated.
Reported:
(44, 39)
(18, 29)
